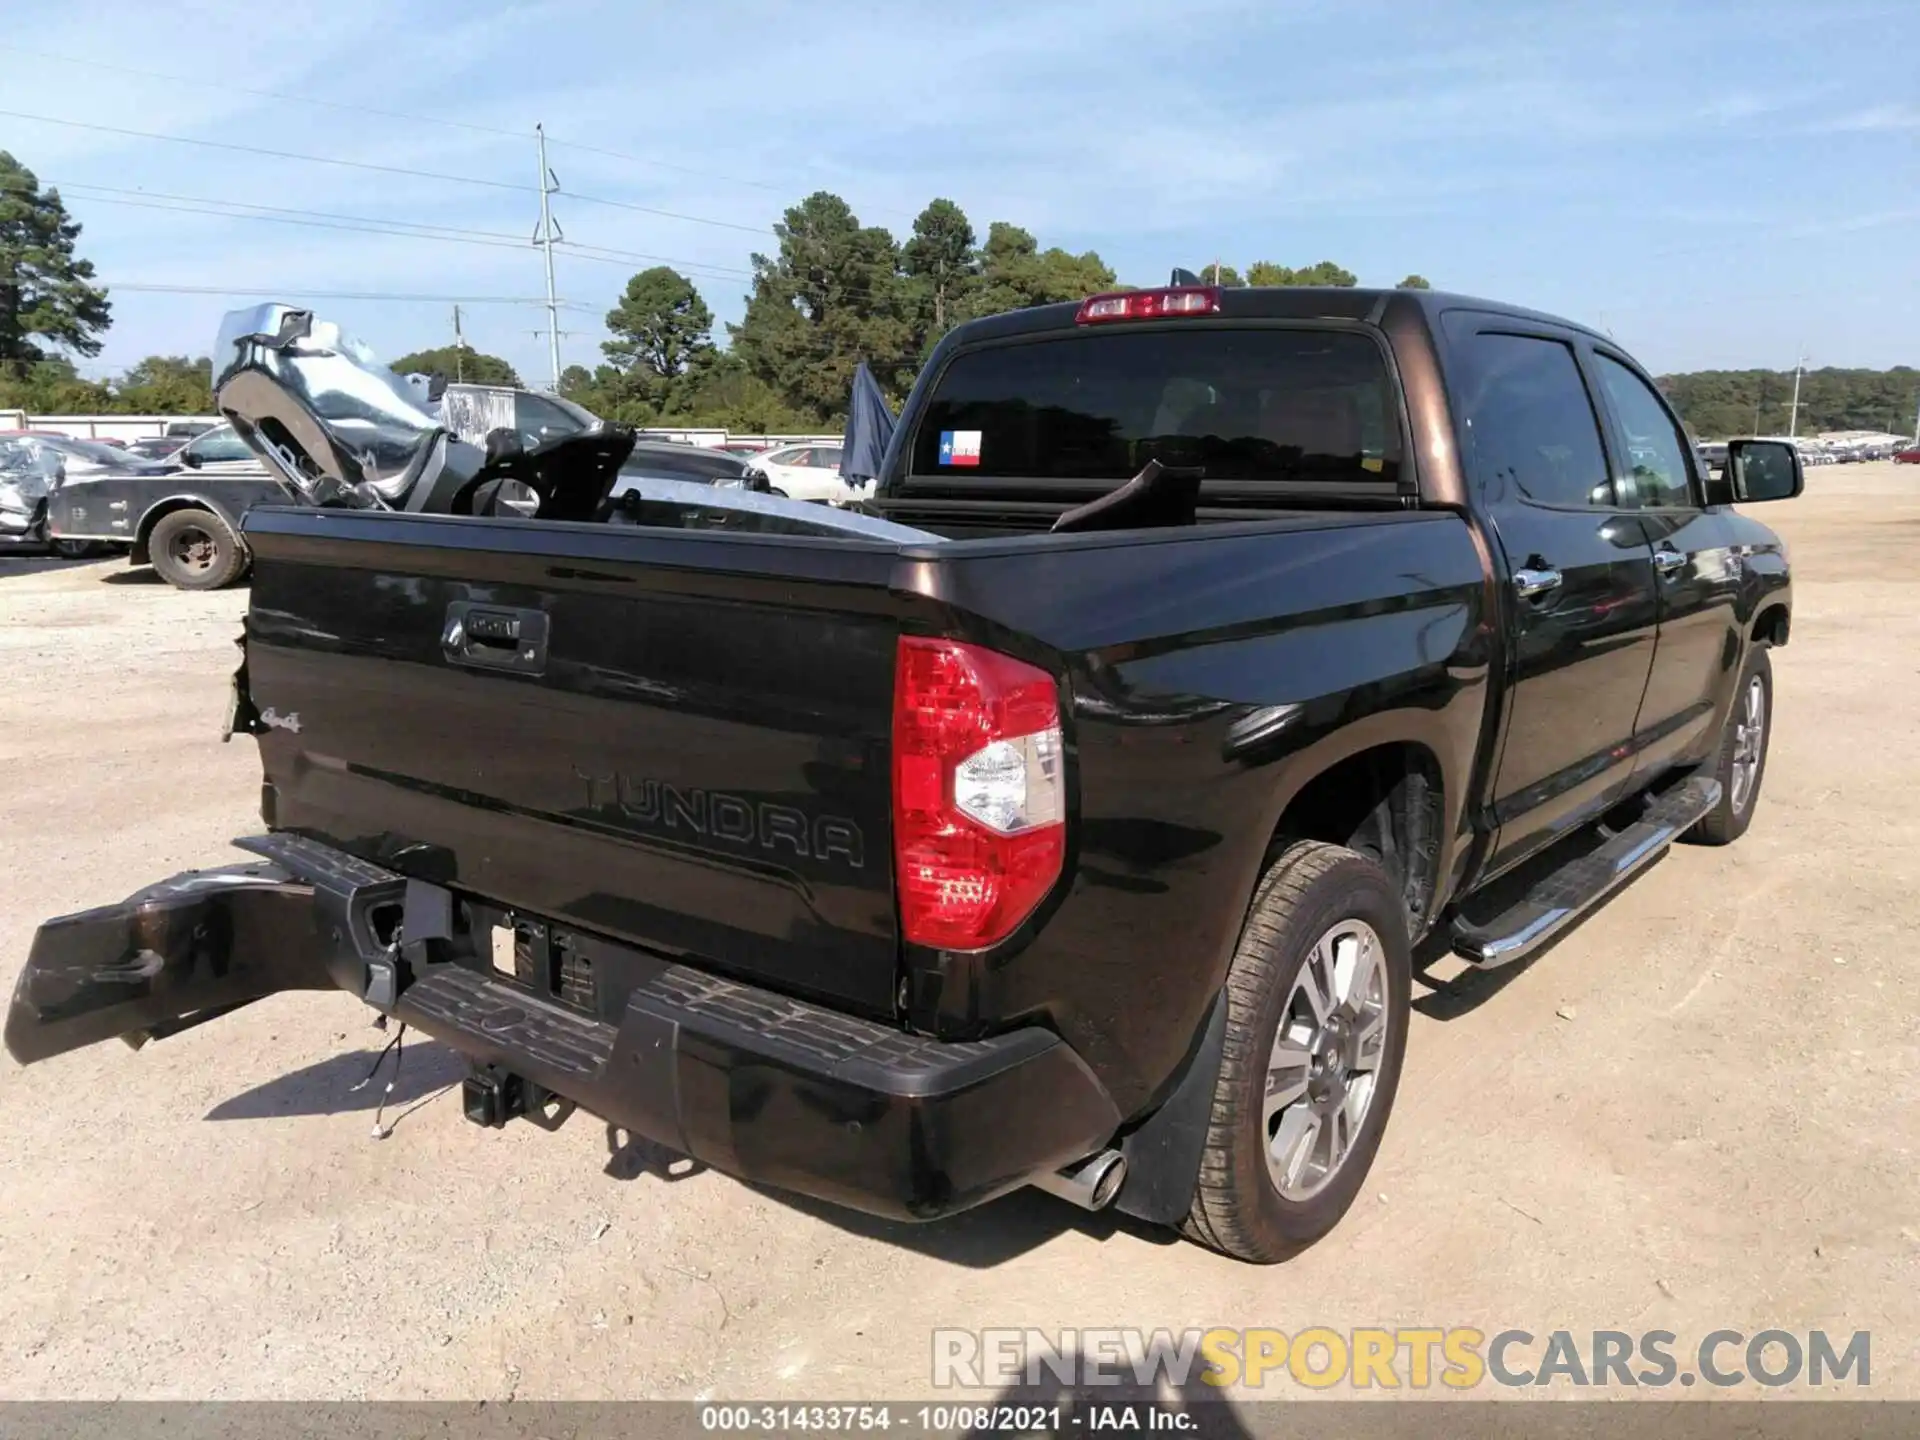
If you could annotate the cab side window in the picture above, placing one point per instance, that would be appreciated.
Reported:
(1656, 456)
(1530, 425)
(220, 445)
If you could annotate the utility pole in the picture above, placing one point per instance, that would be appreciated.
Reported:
(544, 238)
(1793, 415)
(459, 348)
(1216, 270)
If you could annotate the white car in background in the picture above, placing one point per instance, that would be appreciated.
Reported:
(803, 472)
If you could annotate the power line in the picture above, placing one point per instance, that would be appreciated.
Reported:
(401, 170)
(201, 82)
(146, 194)
(272, 154)
(367, 224)
(666, 214)
(264, 291)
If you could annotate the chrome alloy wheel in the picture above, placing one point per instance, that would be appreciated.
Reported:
(1749, 742)
(1325, 1064)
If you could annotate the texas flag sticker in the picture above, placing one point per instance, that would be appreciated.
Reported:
(959, 447)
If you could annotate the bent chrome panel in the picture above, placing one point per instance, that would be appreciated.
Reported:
(291, 383)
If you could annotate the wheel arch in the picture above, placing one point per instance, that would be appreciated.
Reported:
(1771, 625)
(1384, 791)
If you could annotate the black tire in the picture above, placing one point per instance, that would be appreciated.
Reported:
(1728, 820)
(1309, 891)
(72, 549)
(196, 550)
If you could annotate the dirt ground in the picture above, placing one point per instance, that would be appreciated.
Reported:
(1701, 1110)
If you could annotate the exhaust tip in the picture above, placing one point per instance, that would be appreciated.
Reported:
(1110, 1181)
(1092, 1184)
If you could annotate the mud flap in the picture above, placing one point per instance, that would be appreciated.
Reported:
(177, 952)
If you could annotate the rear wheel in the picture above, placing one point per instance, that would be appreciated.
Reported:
(1317, 1005)
(1742, 762)
(195, 550)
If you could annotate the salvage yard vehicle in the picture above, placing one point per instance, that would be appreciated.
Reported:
(804, 472)
(67, 468)
(24, 482)
(1065, 816)
(182, 516)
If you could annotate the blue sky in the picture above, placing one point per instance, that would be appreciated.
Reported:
(1717, 184)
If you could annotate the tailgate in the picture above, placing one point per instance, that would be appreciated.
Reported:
(678, 739)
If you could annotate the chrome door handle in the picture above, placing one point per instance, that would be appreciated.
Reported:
(1529, 583)
(1667, 561)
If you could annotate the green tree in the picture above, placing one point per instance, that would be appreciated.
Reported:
(1324, 272)
(726, 393)
(1228, 277)
(166, 385)
(46, 292)
(1016, 273)
(832, 297)
(661, 330)
(1414, 282)
(940, 263)
(1717, 404)
(51, 387)
(457, 362)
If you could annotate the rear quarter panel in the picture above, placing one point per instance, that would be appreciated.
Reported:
(1210, 676)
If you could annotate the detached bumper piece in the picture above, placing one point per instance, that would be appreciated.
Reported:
(190, 947)
(768, 1088)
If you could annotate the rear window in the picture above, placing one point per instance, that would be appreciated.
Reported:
(1299, 407)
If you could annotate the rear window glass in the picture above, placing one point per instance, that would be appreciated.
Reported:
(1285, 406)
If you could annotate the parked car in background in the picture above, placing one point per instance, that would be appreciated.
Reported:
(23, 493)
(157, 447)
(804, 472)
(65, 465)
(181, 516)
(745, 447)
(674, 460)
(1907, 457)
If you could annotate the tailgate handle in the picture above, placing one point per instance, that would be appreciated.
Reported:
(495, 638)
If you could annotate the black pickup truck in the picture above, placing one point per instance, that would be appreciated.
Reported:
(1071, 821)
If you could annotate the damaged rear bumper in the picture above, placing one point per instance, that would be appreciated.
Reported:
(757, 1084)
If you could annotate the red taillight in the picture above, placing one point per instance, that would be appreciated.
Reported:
(1150, 304)
(979, 794)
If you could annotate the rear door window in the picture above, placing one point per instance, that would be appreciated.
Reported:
(1530, 426)
(1267, 406)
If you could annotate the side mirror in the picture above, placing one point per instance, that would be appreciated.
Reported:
(1764, 470)
(190, 459)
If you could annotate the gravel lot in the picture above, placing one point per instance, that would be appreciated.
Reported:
(1701, 1110)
